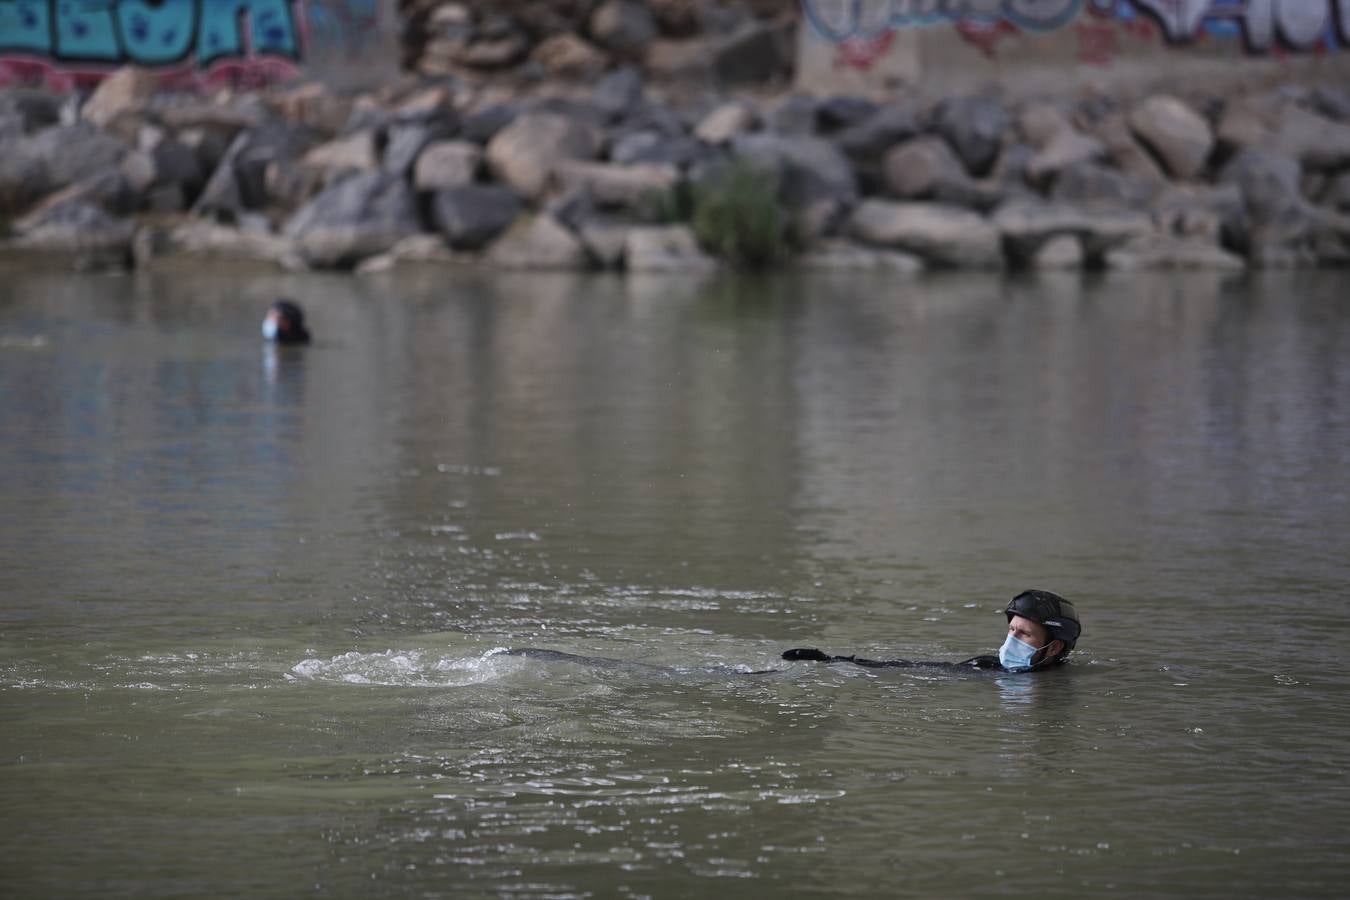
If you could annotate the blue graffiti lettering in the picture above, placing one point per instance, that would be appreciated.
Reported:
(149, 32)
(841, 20)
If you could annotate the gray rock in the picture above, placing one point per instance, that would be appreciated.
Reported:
(539, 242)
(416, 248)
(619, 93)
(1124, 151)
(654, 147)
(406, 137)
(1026, 225)
(52, 159)
(1332, 102)
(925, 168)
(1180, 137)
(195, 241)
(74, 227)
(1067, 148)
(974, 126)
(359, 216)
(869, 139)
(1039, 123)
(275, 142)
(1317, 142)
(447, 164)
(1158, 251)
(1061, 251)
(483, 125)
(33, 110)
(795, 114)
(1090, 183)
(1197, 211)
(622, 26)
(523, 154)
(943, 235)
(138, 168)
(810, 169)
(641, 189)
(470, 216)
(570, 56)
(845, 111)
(177, 165)
(126, 90)
(355, 152)
(727, 121)
(670, 248)
(840, 255)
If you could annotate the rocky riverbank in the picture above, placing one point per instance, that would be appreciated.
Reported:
(607, 172)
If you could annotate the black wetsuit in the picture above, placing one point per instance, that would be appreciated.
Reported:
(811, 654)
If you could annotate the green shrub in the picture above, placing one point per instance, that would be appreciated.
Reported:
(735, 215)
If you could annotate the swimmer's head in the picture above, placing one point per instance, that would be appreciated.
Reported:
(1044, 621)
(285, 324)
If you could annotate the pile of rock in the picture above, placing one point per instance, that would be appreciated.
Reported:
(440, 170)
(727, 42)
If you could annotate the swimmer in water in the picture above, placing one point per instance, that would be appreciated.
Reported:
(1042, 629)
(285, 324)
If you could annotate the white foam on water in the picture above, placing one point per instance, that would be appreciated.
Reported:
(397, 668)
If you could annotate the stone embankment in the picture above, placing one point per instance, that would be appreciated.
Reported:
(563, 174)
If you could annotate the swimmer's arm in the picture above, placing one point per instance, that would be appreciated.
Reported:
(811, 654)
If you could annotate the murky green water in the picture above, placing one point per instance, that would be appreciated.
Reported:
(249, 597)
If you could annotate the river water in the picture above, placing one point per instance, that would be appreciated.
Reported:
(251, 599)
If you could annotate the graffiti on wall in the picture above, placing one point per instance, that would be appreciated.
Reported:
(70, 41)
(1262, 25)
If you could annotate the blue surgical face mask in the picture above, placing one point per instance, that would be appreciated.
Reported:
(269, 328)
(1016, 656)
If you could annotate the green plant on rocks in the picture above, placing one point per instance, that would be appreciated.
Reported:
(735, 215)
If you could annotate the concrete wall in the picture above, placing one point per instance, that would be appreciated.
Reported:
(65, 44)
(1052, 46)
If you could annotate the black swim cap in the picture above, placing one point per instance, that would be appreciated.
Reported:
(1050, 610)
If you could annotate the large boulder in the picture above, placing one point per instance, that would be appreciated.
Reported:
(868, 139)
(1090, 183)
(539, 242)
(1179, 135)
(522, 154)
(79, 229)
(355, 152)
(447, 164)
(568, 55)
(52, 159)
(927, 169)
(841, 255)
(1319, 143)
(192, 242)
(1158, 251)
(472, 215)
(623, 26)
(619, 93)
(1025, 225)
(359, 216)
(670, 248)
(975, 127)
(127, 90)
(942, 235)
(239, 182)
(407, 135)
(29, 109)
(727, 121)
(810, 169)
(1124, 151)
(1278, 228)
(640, 189)
(1067, 148)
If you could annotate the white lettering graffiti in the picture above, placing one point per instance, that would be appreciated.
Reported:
(1299, 24)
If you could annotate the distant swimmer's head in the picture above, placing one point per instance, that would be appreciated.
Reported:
(285, 324)
(1042, 629)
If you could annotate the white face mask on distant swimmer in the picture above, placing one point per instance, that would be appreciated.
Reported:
(1016, 656)
(269, 327)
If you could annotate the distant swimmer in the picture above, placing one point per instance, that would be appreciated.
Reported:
(1042, 629)
(285, 324)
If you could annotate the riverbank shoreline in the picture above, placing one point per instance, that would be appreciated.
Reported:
(626, 174)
